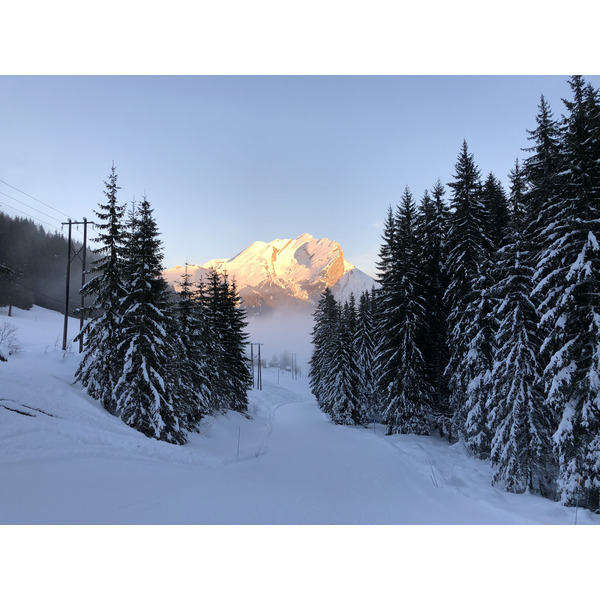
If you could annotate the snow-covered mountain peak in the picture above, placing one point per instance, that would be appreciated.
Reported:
(286, 272)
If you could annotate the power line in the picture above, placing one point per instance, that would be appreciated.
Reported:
(40, 220)
(31, 216)
(33, 208)
(33, 198)
(55, 227)
(36, 209)
(29, 206)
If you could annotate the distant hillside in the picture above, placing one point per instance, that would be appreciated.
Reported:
(38, 263)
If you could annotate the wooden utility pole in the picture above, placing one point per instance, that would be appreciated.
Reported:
(83, 251)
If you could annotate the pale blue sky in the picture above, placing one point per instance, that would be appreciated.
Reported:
(229, 160)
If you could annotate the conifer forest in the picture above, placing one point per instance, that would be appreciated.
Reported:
(486, 324)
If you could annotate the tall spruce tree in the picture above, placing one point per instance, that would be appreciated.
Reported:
(364, 343)
(191, 361)
(99, 370)
(387, 275)
(521, 428)
(494, 200)
(228, 368)
(386, 267)
(467, 251)
(569, 305)
(235, 365)
(342, 374)
(324, 341)
(402, 383)
(147, 390)
(475, 365)
(541, 171)
(432, 228)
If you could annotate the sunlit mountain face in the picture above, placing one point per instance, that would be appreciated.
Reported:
(285, 273)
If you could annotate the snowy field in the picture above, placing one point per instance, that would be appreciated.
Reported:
(65, 461)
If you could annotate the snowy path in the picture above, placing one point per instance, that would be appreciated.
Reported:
(318, 473)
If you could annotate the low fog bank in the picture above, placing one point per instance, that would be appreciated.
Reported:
(283, 332)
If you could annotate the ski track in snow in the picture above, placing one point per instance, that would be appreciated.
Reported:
(64, 460)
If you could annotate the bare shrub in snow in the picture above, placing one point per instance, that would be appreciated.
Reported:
(9, 345)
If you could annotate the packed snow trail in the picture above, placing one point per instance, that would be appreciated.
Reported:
(315, 472)
(64, 460)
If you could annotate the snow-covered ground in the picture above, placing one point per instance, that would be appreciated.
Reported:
(64, 460)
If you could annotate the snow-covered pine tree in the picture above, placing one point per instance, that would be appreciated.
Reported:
(474, 369)
(386, 266)
(364, 343)
(235, 365)
(542, 171)
(191, 364)
(209, 295)
(99, 370)
(228, 368)
(478, 324)
(521, 428)
(341, 373)
(128, 254)
(494, 199)
(467, 253)
(572, 374)
(147, 390)
(402, 383)
(324, 341)
(432, 228)
(207, 336)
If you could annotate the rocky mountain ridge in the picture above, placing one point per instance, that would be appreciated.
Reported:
(285, 273)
